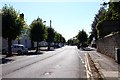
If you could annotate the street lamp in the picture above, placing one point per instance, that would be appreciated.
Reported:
(45, 23)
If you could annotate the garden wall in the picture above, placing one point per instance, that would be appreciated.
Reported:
(108, 44)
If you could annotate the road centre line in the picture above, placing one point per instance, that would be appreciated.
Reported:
(80, 57)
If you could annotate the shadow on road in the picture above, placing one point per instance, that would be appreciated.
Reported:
(87, 49)
(34, 53)
(4, 60)
(47, 50)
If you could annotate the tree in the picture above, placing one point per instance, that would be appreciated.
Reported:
(64, 41)
(12, 25)
(57, 38)
(98, 17)
(61, 38)
(90, 38)
(46, 32)
(82, 37)
(50, 37)
(70, 41)
(37, 32)
(112, 14)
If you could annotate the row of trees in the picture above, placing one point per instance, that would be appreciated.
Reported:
(109, 12)
(80, 39)
(13, 25)
(40, 32)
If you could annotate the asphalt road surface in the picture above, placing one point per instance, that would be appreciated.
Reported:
(66, 62)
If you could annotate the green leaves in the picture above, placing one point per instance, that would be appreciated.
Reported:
(59, 38)
(82, 36)
(70, 41)
(37, 30)
(11, 23)
(51, 34)
(111, 14)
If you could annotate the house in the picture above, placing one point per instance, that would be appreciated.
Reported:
(23, 40)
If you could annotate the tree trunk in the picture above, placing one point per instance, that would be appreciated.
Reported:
(9, 47)
(48, 46)
(54, 45)
(37, 47)
(32, 44)
(18, 41)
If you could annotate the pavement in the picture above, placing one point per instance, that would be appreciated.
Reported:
(106, 67)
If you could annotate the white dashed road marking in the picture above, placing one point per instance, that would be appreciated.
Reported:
(80, 58)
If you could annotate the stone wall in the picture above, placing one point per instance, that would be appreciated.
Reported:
(108, 44)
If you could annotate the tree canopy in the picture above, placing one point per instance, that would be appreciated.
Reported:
(82, 36)
(51, 34)
(37, 30)
(111, 14)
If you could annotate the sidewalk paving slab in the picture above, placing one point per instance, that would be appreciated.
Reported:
(106, 65)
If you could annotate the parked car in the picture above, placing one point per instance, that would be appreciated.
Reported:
(17, 48)
(82, 45)
(94, 45)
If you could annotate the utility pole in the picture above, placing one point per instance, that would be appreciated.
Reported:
(50, 23)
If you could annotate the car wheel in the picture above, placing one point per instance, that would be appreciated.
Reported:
(19, 52)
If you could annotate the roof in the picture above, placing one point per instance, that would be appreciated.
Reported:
(18, 45)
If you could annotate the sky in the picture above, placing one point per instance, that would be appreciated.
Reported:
(67, 17)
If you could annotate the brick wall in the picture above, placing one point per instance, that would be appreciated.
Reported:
(108, 44)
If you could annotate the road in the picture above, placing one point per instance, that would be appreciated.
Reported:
(66, 62)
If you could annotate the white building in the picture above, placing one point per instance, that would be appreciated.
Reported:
(24, 40)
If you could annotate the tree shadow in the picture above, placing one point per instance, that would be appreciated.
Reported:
(34, 53)
(48, 50)
(87, 49)
(25, 54)
(5, 60)
(30, 53)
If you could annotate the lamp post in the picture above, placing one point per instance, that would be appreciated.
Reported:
(50, 23)
(44, 21)
(43, 24)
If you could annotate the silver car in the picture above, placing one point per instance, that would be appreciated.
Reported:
(17, 48)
